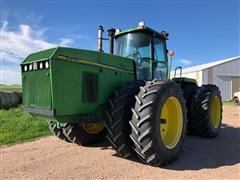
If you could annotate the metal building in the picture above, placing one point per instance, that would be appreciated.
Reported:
(224, 73)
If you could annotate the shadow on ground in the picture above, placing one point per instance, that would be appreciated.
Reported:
(104, 144)
(200, 153)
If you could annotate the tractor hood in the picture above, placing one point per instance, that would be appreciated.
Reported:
(79, 55)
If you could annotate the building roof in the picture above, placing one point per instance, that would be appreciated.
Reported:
(208, 65)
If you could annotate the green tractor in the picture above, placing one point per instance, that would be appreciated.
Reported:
(125, 95)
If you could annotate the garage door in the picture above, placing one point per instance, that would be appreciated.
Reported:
(225, 85)
(235, 84)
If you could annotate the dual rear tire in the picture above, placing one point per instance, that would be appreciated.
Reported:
(206, 112)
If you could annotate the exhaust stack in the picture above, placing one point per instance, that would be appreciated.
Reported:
(111, 33)
(100, 38)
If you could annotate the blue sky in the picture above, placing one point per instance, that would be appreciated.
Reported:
(200, 30)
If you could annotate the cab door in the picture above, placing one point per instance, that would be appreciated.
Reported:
(160, 61)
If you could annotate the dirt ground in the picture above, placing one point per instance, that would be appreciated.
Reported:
(50, 158)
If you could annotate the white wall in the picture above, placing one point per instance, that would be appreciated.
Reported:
(220, 75)
(231, 68)
(205, 76)
(195, 75)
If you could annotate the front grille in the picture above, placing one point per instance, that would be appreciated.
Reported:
(37, 89)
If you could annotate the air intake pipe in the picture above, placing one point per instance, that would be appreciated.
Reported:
(111, 33)
(100, 38)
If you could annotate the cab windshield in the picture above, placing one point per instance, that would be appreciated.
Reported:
(138, 46)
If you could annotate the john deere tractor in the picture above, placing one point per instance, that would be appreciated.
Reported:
(125, 95)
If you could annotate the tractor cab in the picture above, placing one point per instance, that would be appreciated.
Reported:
(148, 50)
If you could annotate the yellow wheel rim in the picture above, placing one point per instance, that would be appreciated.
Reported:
(94, 128)
(171, 122)
(215, 111)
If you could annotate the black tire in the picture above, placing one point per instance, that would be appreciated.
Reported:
(146, 122)
(58, 132)
(236, 100)
(202, 125)
(119, 113)
(189, 91)
(76, 133)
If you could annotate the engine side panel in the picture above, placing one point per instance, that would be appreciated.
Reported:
(77, 84)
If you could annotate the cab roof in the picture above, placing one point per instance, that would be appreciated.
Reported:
(145, 29)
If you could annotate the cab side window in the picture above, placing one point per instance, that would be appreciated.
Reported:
(160, 59)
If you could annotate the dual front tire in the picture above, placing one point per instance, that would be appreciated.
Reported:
(158, 118)
(155, 121)
(58, 132)
(158, 122)
(78, 133)
(85, 134)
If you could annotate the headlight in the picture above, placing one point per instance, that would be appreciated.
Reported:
(35, 66)
(40, 65)
(25, 68)
(30, 67)
(46, 64)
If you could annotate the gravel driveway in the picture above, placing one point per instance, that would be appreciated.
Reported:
(50, 158)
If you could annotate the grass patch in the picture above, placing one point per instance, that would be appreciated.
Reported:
(18, 126)
(10, 88)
